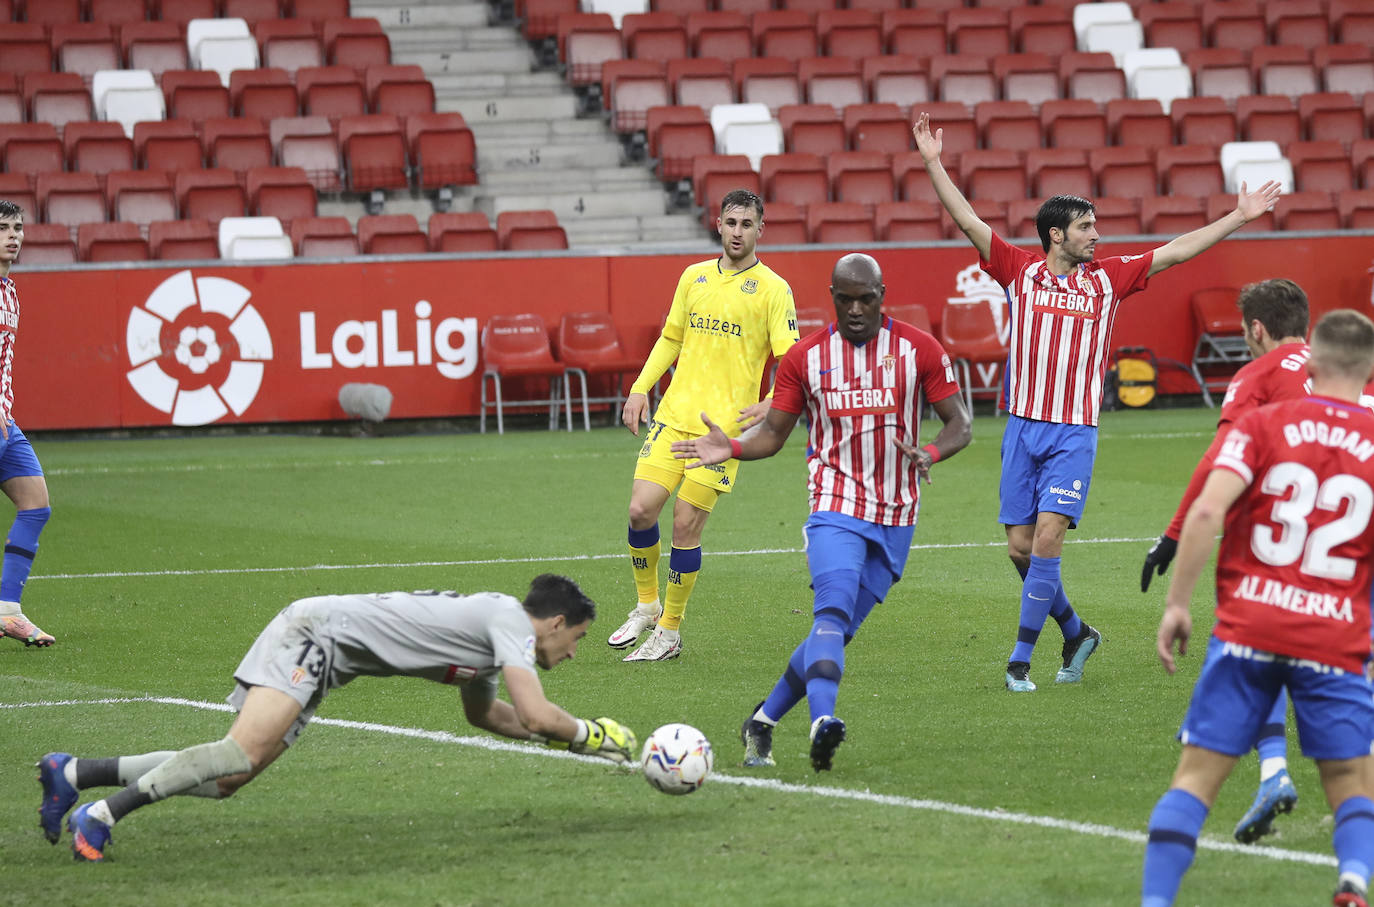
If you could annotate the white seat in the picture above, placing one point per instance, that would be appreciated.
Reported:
(1149, 57)
(249, 248)
(617, 8)
(1163, 83)
(127, 106)
(224, 55)
(724, 114)
(234, 231)
(1235, 153)
(106, 79)
(1256, 173)
(753, 140)
(1086, 14)
(198, 30)
(1115, 38)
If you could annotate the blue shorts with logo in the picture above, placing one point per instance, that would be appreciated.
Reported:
(1237, 688)
(837, 541)
(1046, 467)
(17, 457)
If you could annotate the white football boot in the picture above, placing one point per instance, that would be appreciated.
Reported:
(660, 646)
(641, 618)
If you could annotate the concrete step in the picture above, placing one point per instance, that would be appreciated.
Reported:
(510, 59)
(571, 206)
(677, 232)
(494, 84)
(494, 156)
(582, 180)
(530, 107)
(537, 130)
(453, 38)
(422, 15)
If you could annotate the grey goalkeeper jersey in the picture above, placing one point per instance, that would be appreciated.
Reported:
(441, 636)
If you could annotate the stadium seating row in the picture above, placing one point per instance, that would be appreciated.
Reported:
(303, 237)
(119, 12)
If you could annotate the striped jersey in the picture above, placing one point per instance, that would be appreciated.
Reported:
(9, 326)
(1061, 329)
(728, 322)
(859, 400)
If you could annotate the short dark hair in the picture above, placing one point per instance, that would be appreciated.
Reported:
(741, 198)
(1343, 342)
(1280, 305)
(1060, 211)
(551, 594)
(10, 209)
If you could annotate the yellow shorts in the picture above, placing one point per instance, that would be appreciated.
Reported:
(700, 486)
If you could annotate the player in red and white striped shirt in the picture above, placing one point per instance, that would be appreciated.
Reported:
(1062, 307)
(860, 382)
(21, 478)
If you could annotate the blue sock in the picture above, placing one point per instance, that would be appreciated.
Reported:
(1064, 614)
(1273, 742)
(791, 686)
(1174, 826)
(836, 594)
(20, 548)
(1353, 838)
(644, 538)
(1038, 593)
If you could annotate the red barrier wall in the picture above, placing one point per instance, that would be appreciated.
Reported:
(128, 347)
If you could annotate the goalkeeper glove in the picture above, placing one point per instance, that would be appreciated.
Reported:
(1158, 560)
(605, 737)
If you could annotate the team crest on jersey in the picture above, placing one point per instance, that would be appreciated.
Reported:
(297, 675)
(749, 286)
(889, 365)
(701, 279)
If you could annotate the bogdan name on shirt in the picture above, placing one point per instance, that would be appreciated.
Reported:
(1309, 431)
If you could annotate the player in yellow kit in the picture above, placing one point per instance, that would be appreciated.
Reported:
(728, 315)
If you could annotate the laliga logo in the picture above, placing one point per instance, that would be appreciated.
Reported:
(204, 320)
(977, 288)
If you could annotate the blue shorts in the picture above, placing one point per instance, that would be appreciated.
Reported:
(17, 457)
(1046, 468)
(1237, 689)
(836, 541)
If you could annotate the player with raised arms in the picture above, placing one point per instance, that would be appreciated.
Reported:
(317, 644)
(1293, 487)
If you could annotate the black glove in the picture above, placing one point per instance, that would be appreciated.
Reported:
(1158, 560)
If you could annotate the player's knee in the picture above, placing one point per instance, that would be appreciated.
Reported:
(642, 516)
(824, 670)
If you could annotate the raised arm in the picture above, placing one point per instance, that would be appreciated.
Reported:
(930, 145)
(1249, 205)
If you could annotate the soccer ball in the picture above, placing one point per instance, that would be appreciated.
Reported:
(676, 759)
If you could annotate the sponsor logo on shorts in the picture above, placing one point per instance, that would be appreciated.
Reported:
(1068, 492)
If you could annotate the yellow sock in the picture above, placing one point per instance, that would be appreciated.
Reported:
(644, 556)
(684, 564)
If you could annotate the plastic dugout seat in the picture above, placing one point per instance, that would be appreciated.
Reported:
(918, 32)
(70, 198)
(993, 174)
(97, 147)
(442, 150)
(24, 47)
(251, 11)
(285, 193)
(589, 348)
(1354, 76)
(676, 134)
(631, 99)
(288, 44)
(30, 148)
(908, 222)
(357, 42)
(140, 196)
(654, 35)
(1234, 23)
(182, 240)
(111, 242)
(1331, 116)
(1272, 118)
(1242, 162)
(330, 91)
(1126, 171)
(48, 244)
(323, 237)
(854, 32)
(211, 194)
(154, 46)
(1138, 121)
(85, 47)
(1321, 166)
(374, 152)
(391, 234)
(317, 10)
(1220, 341)
(253, 238)
(1059, 171)
(516, 348)
(723, 34)
(969, 335)
(785, 225)
(1073, 123)
(1006, 124)
(837, 81)
(796, 177)
(896, 79)
(1189, 170)
(1203, 121)
(237, 143)
(1171, 24)
(812, 128)
(309, 143)
(193, 94)
(1356, 208)
(840, 222)
(784, 33)
(861, 176)
(462, 231)
(1307, 211)
(701, 82)
(15, 187)
(1030, 77)
(265, 93)
(1042, 29)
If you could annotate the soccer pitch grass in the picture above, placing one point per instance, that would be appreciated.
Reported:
(164, 559)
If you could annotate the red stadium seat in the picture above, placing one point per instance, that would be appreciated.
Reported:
(856, 33)
(954, 119)
(182, 240)
(897, 79)
(1331, 116)
(70, 198)
(840, 222)
(168, 145)
(391, 234)
(1362, 159)
(52, 12)
(785, 33)
(285, 193)
(836, 81)
(318, 10)
(323, 237)
(237, 143)
(289, 44)
(111, 242)
(724, 35)
(30, 148)
(1126, 171)
(1218, 205)
(97, 147)
(140, 196)
(1189, 170)
(812, 128)
(15, 187)
(309, 143)
(374, 153)
(85, 48)
(981, 30)
(1059, 171)
(251, 11)
(864, 177)
(1308, 211)
(993, 175)
(355, 42)
(209, 195)
(462, 231)
(398, 89)
(330, 91)
(963, 78)
(654, 36)
(767, 80)
(183, 11)
(1268, 118)
(442, 149)
(701, 82)
(1118, 216)
(1171, 214)
(1233, 23)
(913, 183)
(786, 225)
(266, 93)
(154, 46)
(531, 239)
(118, 12)
(797, 177)
(508, 221)
(877, 127)
(48, 244)
(589, 347)
(1042, 29)
(632, 98)
(1203, 121)
(907, 222)
(1073, 123)
(1172, 24)
(1007, 124)
(1030, 77)
(1021, 218)
(915, 32)
(1356, 208)
(1321, 166)
(25, 48)
(194, 94)
(969, 334)
(1297, 22)
(1138, 121)
(515, 348)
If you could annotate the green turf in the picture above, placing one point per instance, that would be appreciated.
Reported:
(165, 557)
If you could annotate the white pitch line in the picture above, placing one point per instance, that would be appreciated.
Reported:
(835, 793)
(484, 562)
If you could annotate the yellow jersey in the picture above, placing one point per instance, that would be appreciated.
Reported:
(726, 324)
